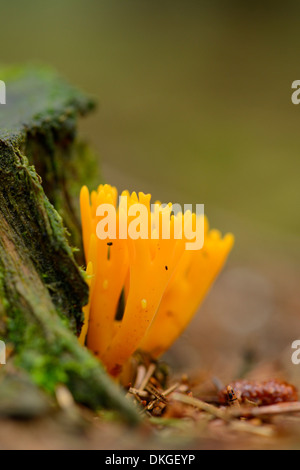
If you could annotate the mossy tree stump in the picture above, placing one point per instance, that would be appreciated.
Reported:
(42, 289)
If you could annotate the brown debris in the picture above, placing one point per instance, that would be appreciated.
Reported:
(240, 415)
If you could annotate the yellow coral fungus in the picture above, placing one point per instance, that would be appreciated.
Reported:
(161, 282)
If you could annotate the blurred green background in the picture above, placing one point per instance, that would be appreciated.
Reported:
(195, 106)
(194, 99)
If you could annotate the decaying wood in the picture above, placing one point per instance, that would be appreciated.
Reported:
(42, 289)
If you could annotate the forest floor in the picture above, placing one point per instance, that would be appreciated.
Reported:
(244, 330)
